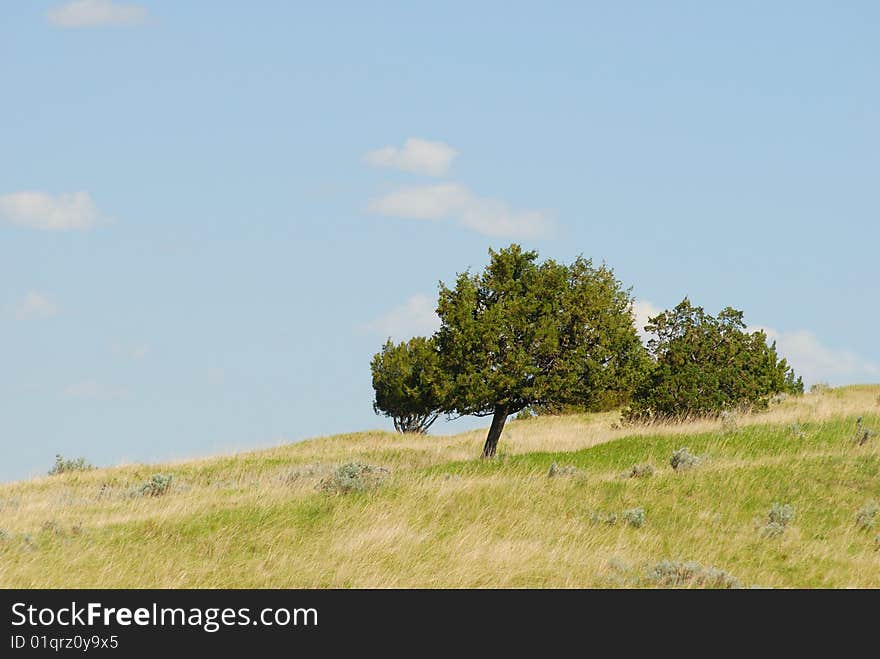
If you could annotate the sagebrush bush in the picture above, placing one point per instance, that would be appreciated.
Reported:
(866, 517)
(781, 513)
(4, 535)
(639, 471)
(63, 465)
(353, 477)
(778, 519)
(158, 485)
(634, 517)
(728, 421)
(863, 433)
(691, 573)
(604, 518)
(683, 459)
(564, 470)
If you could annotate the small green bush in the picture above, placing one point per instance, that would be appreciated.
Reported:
(863, 433)
(645, 470)
(682, 459)
(634, 517)
(680, 574)
(158, 485)
(353, 477)
(781, 513)
(866, 517)
(778, 519)
(604, 518)
(63, 466)
(564, 470)
(728, 421)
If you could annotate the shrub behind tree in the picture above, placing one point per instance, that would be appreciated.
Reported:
(408, 384)
(706, 365)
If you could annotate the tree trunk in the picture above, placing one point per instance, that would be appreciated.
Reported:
(498, 420)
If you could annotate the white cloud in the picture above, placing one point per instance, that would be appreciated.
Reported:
(423, 202)
(491, 217)
(416, 317)
(644, 310)
(136, 351)
(94, 13)
(36, 305)
(91, 390)
(39, 210)
(817, 362)
(416, 155)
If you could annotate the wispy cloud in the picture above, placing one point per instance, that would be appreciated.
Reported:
(39, 210)
(423, 202)
(415, 317)
(95, 13)
(817, 362)
(491, 217)
(36, 305)
(92, 390)
(416, 155)
(450, 201)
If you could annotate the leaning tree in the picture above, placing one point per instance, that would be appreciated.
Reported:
(523, 334)
(408, 383)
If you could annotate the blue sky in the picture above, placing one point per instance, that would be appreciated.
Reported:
(211, 213)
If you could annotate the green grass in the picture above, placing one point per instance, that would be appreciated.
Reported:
(443, 519)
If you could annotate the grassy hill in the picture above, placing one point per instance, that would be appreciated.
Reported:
(439, 517)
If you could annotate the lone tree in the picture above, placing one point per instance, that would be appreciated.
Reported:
(705, 365)
(523, 334)
(408, 384)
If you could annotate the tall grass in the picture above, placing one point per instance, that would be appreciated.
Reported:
(442, 518)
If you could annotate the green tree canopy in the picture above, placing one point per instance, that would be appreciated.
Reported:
(705, 365)
(523, 333)
(408, 383)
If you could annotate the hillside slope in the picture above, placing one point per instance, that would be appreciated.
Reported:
(442, 518)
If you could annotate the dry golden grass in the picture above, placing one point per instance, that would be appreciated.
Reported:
(445, 519)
